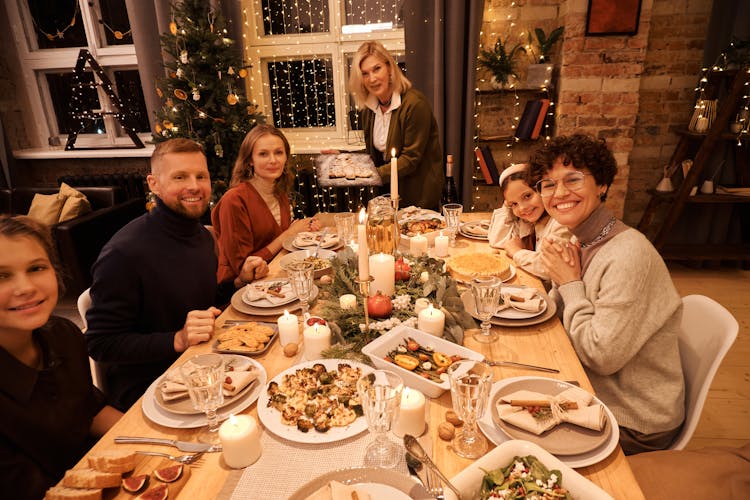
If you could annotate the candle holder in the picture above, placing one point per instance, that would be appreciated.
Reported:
(364, 290)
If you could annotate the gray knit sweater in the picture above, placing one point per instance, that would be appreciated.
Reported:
(623, 319)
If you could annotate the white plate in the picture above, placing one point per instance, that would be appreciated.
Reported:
(511, 313)
(468, 299)
(300, 255)
(378, 482)
(497, 436)
(286, 289)
(415, 213)
(469, 480)
(271, 418)
(242, 307)
(462, 229)
(166, 418)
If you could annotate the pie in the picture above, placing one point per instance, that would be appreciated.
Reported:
(472, 265)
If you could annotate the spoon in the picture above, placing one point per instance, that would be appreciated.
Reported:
(416, 451)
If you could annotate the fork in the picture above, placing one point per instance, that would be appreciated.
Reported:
(433, 484)
(183, 459)
(323, 234)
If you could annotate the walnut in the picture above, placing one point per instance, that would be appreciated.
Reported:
(446, 431)
(451, 417)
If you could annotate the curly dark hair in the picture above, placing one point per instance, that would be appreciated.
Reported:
(579, 150)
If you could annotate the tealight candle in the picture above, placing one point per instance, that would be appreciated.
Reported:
(441, 245)
(394, 175)
(363, 251)
(348, 301)
(418, 245)
(240, 441)
(288, 328)
(432, 321)
(420, 305)
(411, 416)
(383, 270)
(317, 339)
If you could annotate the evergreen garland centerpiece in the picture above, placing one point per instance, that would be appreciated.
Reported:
(204, 91)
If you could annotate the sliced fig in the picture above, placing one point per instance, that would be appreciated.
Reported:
(159, 492)
(134, 484)
(169, 474)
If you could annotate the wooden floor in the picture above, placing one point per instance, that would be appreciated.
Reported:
(726, 416)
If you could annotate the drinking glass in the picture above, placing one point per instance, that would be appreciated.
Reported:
(301, 278)
(486, 293)
(203, 375)
(383, 233)
(452, 213)
(380, 392)
(470, 382)
(345, 226)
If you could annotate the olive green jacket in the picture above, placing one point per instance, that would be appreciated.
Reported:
(413, 132)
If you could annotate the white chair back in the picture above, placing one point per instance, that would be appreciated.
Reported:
(708, 331)
(84, 304)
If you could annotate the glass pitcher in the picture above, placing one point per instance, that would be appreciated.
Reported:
(382, 226)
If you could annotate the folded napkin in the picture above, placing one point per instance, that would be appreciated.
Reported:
(235, 381)
(477, 228)
(260, 291)
(523, 299)
(237, 378)
(335, 490)
(311, 239)
(586, 415)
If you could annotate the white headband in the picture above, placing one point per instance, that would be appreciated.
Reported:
(514, 168)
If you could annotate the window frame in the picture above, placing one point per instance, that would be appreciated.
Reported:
(35, 63)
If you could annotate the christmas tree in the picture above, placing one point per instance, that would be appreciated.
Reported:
(204, 91)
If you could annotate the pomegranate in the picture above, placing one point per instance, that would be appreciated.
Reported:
(403, 270)
(379, 306)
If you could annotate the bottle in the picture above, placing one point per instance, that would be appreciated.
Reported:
(450, 193)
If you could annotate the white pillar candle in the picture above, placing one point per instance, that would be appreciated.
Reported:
(383, 270)
(362, 254)
(432, 321)
(420, 305)
(411, 416)
(394, 175)
(240, 441)
(441, 245)
(348, 301)
(418, 245)
(317, 339)
(288, 328)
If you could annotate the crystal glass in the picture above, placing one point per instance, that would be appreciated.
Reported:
(301, 278)
(383, 233)
(486, 293)
(452, 213)
(344, 226)
(380, 392)
(471, 382)
(203, 375)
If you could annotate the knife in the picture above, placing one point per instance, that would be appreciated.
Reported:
(180, 445)
(521, 365)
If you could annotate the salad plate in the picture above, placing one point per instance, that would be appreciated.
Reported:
(253, 293)
(377, 482)
(477, 230)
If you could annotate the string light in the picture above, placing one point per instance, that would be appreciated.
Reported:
(58, 33)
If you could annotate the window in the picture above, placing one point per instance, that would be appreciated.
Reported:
(300, 52)
(49, 35)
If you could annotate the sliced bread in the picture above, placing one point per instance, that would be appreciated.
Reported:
(90, 478)
(65, 493)
(113, 461)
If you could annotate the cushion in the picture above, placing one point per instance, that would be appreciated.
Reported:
(74, 207)
(67, 191)
(46, 208)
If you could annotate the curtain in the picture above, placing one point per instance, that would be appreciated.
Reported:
(442, 40)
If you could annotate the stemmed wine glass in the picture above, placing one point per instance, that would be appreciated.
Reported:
(380, 392)
(486, 293)
(301, 278)
(203, 375)
(452, 212)
(470, 382)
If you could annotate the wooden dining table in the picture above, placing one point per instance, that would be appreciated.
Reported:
(544, 344)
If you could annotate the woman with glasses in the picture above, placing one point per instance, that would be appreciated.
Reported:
(619, 305)
(522, 222)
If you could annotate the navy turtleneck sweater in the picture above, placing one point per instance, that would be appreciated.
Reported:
(147, 278)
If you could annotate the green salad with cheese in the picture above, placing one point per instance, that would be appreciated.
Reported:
(525, 477)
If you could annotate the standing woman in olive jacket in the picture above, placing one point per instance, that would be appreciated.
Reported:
(394, 115)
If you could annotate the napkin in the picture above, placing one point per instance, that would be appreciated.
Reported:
(310, 239)
(589, 416)
(477, 228)
(335, 490)
(523, 299)
(259, 291)
(172, 387)
(235, 381)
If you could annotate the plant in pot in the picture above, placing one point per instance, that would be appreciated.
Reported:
(540, 74)
(501, 62)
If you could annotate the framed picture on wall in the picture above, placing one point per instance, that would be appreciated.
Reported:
(613, 17)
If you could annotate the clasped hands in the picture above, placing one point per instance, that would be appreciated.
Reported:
(562, 260)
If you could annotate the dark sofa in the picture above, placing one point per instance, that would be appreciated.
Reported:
(80, 240)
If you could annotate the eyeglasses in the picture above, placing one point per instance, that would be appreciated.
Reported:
(572, 182)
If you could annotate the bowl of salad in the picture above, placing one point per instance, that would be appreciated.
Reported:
(321, 262)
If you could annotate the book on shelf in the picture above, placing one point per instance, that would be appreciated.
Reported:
(528, 119)
(483, 165)
(491, 166)
(540, 119)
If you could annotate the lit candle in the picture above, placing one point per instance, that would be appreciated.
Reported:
(364, 266)
(420, 305)
(288, 328)
(432, 321)
(383, 270)
(348, 301)
(240, 441)
(418, 245)
(441, 245)
(411, 416)
(394, 176)
(317, 339)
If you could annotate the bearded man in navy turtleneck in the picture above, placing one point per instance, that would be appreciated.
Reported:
(154, 283)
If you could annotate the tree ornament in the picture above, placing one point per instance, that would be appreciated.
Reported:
(232, 99)
(159, 92)
(180, 94)
(179, 73)
(219, 151)
(196, 94)
(167, 124)
(243, 73)
(184, 56)
(173, 28)
(230, 71)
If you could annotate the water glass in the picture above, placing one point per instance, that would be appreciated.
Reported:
(203, 375)
(344, 226)
(470, 382)
(301, 278)
(380, 392)
(486, 293)
(452, 213)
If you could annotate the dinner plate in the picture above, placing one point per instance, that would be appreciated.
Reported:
(465, 229)
(160, 416)
(415, 213)
(184, 406)
(378, 482)
(511, 313)
(498, 436)
(286, 290)
(272, 326)
(289, 245)
(271, 418)
(242, 307)
(468, 300)
(299, 255)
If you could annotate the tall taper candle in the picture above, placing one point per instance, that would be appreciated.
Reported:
(363, 257)
(394, 176)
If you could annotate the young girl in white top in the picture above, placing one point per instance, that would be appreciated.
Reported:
(522, 223)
